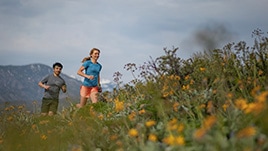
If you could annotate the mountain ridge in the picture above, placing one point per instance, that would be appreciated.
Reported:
(19, 83)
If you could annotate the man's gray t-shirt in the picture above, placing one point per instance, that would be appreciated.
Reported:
(55, 84)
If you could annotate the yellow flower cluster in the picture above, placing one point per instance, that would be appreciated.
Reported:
(255, 107)
(174, 125)
(175, 138)
(119, 105)
(246, 132)
(171, 83)
(176, 106)
(206, 126)
(132, 116)
(202, 69)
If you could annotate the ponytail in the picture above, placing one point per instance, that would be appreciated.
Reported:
(85, 59)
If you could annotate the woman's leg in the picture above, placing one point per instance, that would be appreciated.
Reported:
(94, 97)
(83, 101)
(84, 94)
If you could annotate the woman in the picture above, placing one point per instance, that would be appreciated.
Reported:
(91, 84)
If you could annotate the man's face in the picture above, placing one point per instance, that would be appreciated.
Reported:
(57, 70)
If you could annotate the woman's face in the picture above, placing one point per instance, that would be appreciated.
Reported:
(95, 55)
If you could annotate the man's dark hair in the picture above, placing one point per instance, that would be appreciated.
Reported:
(57, 64)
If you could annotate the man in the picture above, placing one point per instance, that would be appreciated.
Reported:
(52, 84)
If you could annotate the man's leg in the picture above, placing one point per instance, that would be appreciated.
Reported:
(53, 107)
(45, 106)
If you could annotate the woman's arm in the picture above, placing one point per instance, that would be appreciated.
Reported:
(82, 74)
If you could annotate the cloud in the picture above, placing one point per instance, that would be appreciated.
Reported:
(125, 31)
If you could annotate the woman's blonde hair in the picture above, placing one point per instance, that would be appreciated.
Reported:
(90, 53)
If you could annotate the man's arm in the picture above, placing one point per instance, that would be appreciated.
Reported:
(43, 85)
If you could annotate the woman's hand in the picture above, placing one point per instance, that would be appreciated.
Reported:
(91, 77)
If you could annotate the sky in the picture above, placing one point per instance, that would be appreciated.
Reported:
(126, 31)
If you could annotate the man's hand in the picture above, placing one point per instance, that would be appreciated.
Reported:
(64, 88)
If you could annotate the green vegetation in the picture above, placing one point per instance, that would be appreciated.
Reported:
(215, 101)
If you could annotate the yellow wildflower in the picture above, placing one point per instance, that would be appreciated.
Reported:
(255, 90)
(119, 143)
(262, 97)
(170, 140)
(34, 127)
(209, 122)
(246, 132)
(241, 104)
(132, 116)
(152, 137)
(230, 95)
(202, 69)
(142, 111)
(165, 94)
(180, 127)
(172, 125)
(255, 108)
(150, 123)
(101, 116)
(119, 105)
(250, 108)
(187, 77)
(260, 72)
(133, 132)
(180, 141)
(185, 87)
(210, 107)
(202, 106)
(199, 133)
(113, 137)
(175, 106)
(43, 137)
(173, 121)
(225, 106)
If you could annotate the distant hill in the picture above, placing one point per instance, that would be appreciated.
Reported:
(19, 84)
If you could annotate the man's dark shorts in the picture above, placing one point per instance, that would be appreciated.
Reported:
(49, 105)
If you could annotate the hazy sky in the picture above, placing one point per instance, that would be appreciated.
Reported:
(126, 31)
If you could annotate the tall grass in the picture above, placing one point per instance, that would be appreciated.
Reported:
(215, 101)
